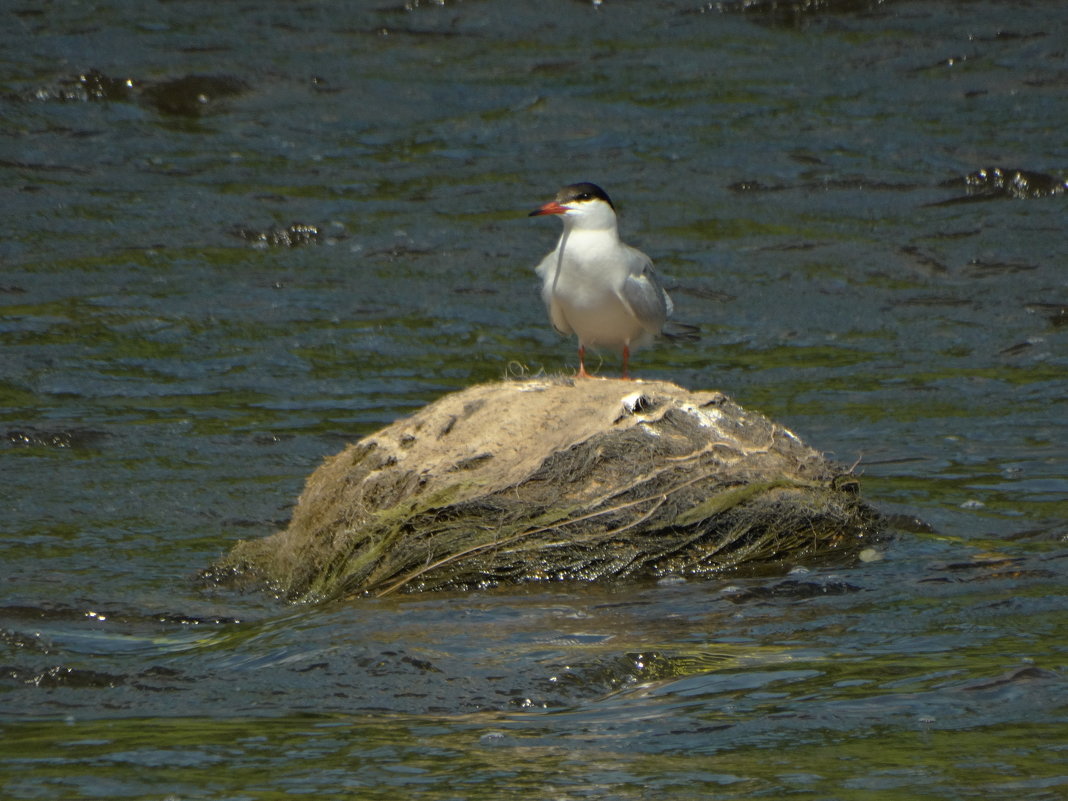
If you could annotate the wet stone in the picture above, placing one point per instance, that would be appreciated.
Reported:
(188, 96)
(77, 438)
(99, 86)
(192, 95)
(558, 480)
(91, 85)
(291, 236)
(992, 183)
(791, 12)
(1015, 183)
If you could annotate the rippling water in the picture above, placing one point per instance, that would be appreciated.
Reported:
(171, 369)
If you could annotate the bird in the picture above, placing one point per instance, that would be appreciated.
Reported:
(594, 285)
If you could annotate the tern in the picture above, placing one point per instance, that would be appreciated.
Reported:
(594, 285)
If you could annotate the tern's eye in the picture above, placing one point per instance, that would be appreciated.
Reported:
(584, 196)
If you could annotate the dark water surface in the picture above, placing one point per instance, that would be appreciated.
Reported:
(171, 369)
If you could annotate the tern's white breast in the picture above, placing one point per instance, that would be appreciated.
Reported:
(587, 294)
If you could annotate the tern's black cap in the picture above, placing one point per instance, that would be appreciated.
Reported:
(583, 191)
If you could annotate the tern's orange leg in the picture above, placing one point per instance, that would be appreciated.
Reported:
(582, 363)
(626, 362)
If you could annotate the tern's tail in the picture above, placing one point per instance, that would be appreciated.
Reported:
(681, 332)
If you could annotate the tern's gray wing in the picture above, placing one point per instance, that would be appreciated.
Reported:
(646, 298)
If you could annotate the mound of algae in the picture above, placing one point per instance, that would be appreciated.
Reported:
(557, 479)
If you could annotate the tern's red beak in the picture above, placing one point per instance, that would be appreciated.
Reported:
(552, 207)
